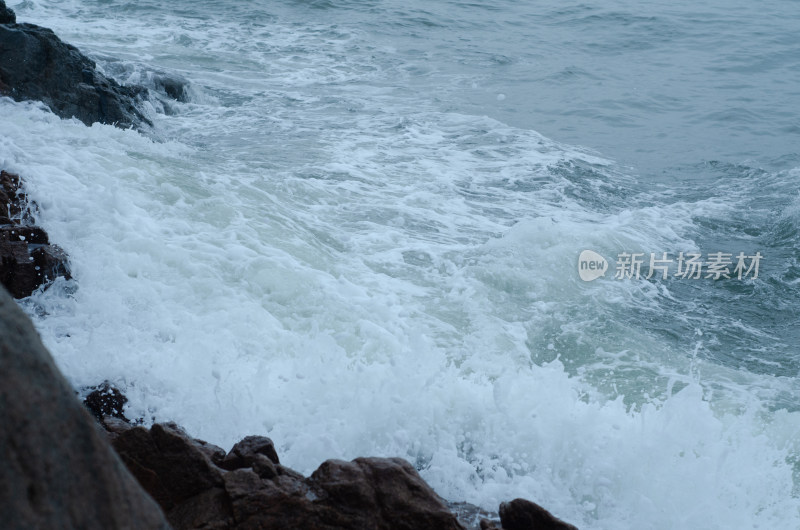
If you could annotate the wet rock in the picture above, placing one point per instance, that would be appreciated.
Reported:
(471, 516)
(168, 463)
(244, 453)
(13, 201)
(36, 65)
(172, 86)
(264, 467)
(379, 493)
(105, 400)
(58, 469)
(27, 259)
(7, 16)
(521, 514)
(257, 492)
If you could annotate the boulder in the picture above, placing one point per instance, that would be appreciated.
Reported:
(58, 469)
(521, 514)
(245, 452)
(379, 493)
(168, 463)
(36, 65)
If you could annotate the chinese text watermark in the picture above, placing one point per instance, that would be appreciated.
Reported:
(686, 265)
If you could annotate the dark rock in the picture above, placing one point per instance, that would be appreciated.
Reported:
(214, 453)
(17, 272)
(520, 514)
(13, 201)
(171, 86)
(50, 262)
(168, 463)
(7, 16)
(374, 493)
(105, 400)
(378, 493)
(486, 524)
(264, 467)
(210, 510)
(179, 472)
(58, 469)
(36, 65)
(27, 259)
(244, 453)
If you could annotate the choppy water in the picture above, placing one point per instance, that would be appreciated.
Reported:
(360, 237)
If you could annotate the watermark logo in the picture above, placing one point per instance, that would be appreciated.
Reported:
(591, 265)
(688, 265)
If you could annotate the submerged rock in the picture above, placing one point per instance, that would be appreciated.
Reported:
(36, 65)
(58, 469)
(27, 259)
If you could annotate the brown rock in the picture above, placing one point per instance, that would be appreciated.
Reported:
(179, 472)
(380, 493)
(168, 464)
(243, 454)
(264, 467)
(27, 259)
(520, 514)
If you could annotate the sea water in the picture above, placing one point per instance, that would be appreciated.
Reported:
(359, 235)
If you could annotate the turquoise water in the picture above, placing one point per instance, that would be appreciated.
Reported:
(360, 235)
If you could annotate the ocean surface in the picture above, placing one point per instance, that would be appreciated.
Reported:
(359, 235)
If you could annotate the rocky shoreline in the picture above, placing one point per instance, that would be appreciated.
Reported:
(199, 485)
(66, 469)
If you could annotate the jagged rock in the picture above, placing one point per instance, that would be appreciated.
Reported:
(27, 259)
(244, 452)
(521, 514)
(58, 469)
(378, 493)
(168, 463)
(258, 492)
(36, 65)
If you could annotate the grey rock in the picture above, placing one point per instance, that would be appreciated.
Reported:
(58, 469)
